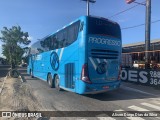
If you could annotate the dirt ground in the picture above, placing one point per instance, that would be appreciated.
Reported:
(17, 96)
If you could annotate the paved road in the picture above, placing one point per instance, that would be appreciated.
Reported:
(4, 70)
(130, 97)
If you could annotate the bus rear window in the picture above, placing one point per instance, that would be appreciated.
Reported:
(103, 27)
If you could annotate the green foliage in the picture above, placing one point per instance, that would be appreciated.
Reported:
(13, 38)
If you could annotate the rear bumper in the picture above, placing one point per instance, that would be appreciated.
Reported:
(86, 88)
(96, 92)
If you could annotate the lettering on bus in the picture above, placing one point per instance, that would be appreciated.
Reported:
(104, 41)
(38, 57)
(147, 77)
(54, 60)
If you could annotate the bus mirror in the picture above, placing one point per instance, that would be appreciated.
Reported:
(81, 26)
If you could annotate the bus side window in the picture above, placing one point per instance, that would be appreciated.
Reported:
(81, 26)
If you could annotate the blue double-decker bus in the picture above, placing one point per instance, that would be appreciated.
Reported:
(83, 57)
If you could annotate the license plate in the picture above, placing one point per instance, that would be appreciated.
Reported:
(105, 87)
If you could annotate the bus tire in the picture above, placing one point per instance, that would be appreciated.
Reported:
(50, 80)
(31, 74)
(56, 82)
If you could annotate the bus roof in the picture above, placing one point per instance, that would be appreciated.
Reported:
(80, 18)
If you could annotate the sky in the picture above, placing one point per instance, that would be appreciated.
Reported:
(42, 17)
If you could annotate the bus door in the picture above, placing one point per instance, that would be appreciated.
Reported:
(69, 75)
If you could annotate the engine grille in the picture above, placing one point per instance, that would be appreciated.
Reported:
(104, 54)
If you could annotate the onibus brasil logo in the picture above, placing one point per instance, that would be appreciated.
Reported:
(54, 60)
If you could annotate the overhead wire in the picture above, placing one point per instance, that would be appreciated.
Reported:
(142, 3)
(126, 10)
(139, 25)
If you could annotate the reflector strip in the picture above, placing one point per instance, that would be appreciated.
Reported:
(60, 56)
(98, 60)
(94, 65)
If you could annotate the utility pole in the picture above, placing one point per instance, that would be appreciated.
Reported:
(87, 7)
(147, 30)
(147, 33)
(88, 1)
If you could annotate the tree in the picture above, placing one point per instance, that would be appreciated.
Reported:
(13, 38)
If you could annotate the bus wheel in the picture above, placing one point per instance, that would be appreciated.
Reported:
(31, 74)
(50, 80)
(56, 82)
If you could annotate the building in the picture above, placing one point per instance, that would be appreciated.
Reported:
(135, 54)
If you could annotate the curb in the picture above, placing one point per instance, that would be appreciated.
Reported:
(21, 77)
(3, 84)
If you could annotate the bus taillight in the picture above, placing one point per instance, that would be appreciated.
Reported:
(119, 74)
(84, 74)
